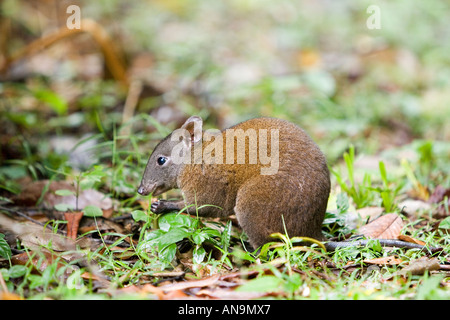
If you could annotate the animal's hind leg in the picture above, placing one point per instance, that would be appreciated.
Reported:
(256, 212)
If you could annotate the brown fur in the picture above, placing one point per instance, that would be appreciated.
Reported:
(293, 200)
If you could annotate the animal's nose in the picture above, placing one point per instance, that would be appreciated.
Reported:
(141, 190)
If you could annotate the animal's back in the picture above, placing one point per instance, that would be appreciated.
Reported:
(292, 193)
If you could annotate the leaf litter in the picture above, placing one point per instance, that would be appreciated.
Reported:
(193, 272)
(191, 280)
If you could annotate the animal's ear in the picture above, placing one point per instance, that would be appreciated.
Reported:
(194, 125)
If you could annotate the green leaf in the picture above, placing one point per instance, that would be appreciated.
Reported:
(262, 284)
(17, 271)
(225, 237)
(87, 184)
(175, 220)
(139, 215)
(375, 245)
(445, 224)
(64, 207)
(96, 174)
(199, 237)
(342, 202)
(58, 104)
(168, 253)
(172, 236)
(198, 254)
(242, 255)
(430, 289)
(35, 281)
(89, 178)
(387, 201)
(5, 250)
(92, 211)
(75, 281)
(64, 192)
(383, 174)
(153, 235)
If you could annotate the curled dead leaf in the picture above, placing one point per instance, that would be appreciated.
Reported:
(438, 196)
(44, 257)
(414, 208)
(420, 266)
(73, 221)
(9, 296)
(406, 238)
(205, 282)
(32, 192)
(391, 260)
(220, 293)
(387, 226)
(36, 236)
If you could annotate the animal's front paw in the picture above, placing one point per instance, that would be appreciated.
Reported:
(159, 206)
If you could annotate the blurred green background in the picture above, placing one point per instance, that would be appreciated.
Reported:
(315, 63)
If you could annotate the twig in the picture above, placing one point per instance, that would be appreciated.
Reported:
(3, 284)
(23, 215)
(131, 102)
(112, 59)
(384, 242)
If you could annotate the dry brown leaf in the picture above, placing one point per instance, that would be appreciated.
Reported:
(391, 260)
(35, 236)
(229, 294)
(9, 296)
(32, 191)
(438, 196)
(73, 221)
(90, 276)
(420, 192)
(414, 208)
(406, 238)
(355, 219)
(369, 212)
(149, 288)
(387, 226)
(169, 274)
(205, 282)
(238, 276)
(309, 58)
(85, 198)
(419, 266)
(176, 294)
(46, 258)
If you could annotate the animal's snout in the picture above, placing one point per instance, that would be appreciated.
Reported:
(145, 188)
(141, 190)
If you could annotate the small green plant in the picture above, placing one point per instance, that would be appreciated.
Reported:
(334, 222)
(286, 250)
(175, 227)
(360, 193)
(387, 192)
(5, 250)
(83, 181)
(427, 160)
(34, 277)
(290, 284)
(355, 254)
(431, 289)
(419, 189)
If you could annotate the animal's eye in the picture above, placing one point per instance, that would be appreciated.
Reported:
(161, 160)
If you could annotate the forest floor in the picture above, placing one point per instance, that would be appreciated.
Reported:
(81, 113)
